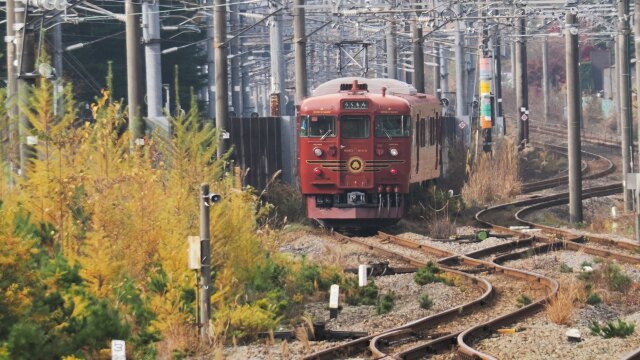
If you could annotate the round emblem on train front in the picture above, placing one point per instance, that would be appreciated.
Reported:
(356, 165)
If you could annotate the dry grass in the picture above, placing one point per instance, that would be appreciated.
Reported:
(441, 228)
(561, 307)
(494, 177)
(304, 333)
(284, 351)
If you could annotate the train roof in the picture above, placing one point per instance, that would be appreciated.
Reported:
(374, 86)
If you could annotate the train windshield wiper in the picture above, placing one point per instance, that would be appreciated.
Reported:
(326, 134)
(386, 133)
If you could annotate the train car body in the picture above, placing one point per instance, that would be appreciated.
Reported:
(362, 142)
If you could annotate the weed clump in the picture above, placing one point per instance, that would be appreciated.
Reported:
(609, 275)
(425, 301)
(619, 328)
(523, 300)
(564, 268)
(594, 299)
(429, 274)
(616, 279)
(386, 303)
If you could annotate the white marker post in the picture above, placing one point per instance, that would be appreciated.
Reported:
(362, 275)
(118, 350)
(194, 252)
(333, 301)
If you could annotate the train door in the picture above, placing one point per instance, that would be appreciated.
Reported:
(356, 153)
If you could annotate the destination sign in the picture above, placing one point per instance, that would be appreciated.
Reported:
(355, 105)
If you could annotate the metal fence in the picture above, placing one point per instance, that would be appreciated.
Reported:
(263, 145)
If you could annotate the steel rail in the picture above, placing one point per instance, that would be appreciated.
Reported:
(543, 184)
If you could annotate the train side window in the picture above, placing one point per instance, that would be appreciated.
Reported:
(354, 126)
(423, 133)
(320, 126)
(304, 126)
(392, 126)
(432, 131)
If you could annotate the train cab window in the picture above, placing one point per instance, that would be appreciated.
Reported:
(319, 126)
(392, 126)
(354, 126)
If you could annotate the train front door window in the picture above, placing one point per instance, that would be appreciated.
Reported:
(354, 126)
(321, 126)
(392, 126)
(356, 151)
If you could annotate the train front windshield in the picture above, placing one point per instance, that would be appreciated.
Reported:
(318, 126)
(393, 126)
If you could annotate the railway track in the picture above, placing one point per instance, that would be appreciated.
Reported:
(458, 328)
(438, 332)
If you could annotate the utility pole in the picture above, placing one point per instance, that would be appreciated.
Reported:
(460, 68)
(418, 56)
(26, 64)
(392, 52)
(222, 73)
(153, 62)
(497, 79)
(11, 85)
(486, 113)
(234, 47)
(300, 41)
(211, 71)
(624, 93)
(136, 124)
(522, 91)
(545, 78)
(205, 264)
(277, 59)
(437, 90)
(636, 31)
(58, 89)
(573, 117)
(444, 71)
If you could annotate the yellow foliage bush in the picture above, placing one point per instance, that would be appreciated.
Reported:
(125, 214)
(251, 319)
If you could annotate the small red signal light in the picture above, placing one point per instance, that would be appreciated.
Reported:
(317, 171)
(393, 172)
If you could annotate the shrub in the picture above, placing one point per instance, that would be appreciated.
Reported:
(386, 303)
(619, 328)
(616, 279)
(594, 299)
(425, 301)
(287, 204)
(523, 300)
(366, 295)
(564, 268)
(429, 274)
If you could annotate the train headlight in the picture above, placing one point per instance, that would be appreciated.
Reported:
(393, 152)
(317, 152)
(317, 171)
(393, 172)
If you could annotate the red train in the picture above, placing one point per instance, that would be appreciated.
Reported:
(361, 143)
